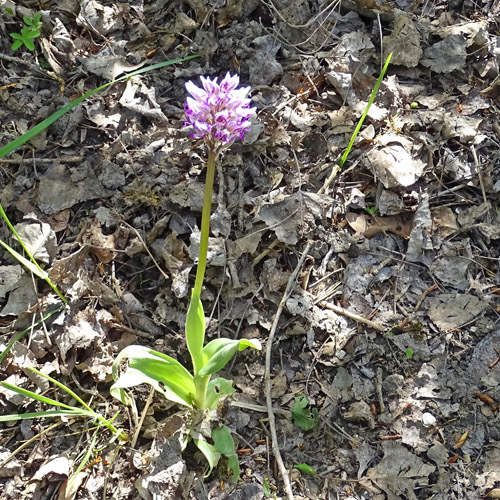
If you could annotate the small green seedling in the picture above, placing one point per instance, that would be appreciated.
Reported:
(223, 446)
(29, 32)
(267, 488)
(304, 417)
(409, 353)
(371, 210)
(305, 468)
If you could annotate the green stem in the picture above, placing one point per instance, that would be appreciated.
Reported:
(201, 385)
(122, 436)
(205, 222)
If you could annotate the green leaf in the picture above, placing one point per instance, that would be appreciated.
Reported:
(267, 487)
(16, 44)
(32, 33)
(25, 262)
(44, 414)
(217, 388)
(210, 453)
(195, 331)
(224, 444)
(9, 11)
(61, 386)
(20, 335)
(32, 132)
(16, 36)
(305, 468)
(164, 373)
(29, 44)
(219, 352)
(409, 353)
(37, 397)
(303, 416)
(365, 113)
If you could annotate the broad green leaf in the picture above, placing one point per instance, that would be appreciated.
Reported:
(218, 353)
(25, 262)
(44, 414)
(195, 331)
(305, 468)
(217, 388)
(303, 416)
(162, 372)
(16, 36)
(224, 444)
(210, 453)
(16, 44)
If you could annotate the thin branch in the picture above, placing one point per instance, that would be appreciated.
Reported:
(267, 376)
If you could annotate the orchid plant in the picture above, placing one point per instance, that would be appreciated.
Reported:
(218, 114)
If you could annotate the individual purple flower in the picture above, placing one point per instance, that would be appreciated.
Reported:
(218, 113)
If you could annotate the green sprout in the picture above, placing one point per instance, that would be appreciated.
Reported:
(29, 32)
(409, 353)
(303, 416)
(307, 469)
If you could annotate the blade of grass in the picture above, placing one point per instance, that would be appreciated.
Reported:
(23, 139)
(63, 387)
(35, 269)
(20, 335)
(45, 414)
(363, 116)
(38, 397)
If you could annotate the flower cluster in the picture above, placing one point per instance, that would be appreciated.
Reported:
(218, 113)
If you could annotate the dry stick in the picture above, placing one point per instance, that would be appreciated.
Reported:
(43, 161)
(355, 317)
(27, 443)
(143, 417)
(267, 380)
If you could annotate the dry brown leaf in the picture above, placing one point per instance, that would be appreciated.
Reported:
(495, 493)
(461, 441)
(369, 226)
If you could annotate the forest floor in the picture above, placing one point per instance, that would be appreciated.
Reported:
(389, 339)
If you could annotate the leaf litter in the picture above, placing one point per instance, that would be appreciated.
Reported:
(422, 263)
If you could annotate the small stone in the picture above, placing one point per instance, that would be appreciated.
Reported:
(360, 412)
(428, 419)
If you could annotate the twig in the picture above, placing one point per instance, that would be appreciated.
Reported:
(43, 161)
(27, 443)
(164, 274)
(33, 67)
(355, 317)
(267, 379)
(479, 174)
(143, 416)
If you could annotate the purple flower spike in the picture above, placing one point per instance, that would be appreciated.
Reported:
(218, 113)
